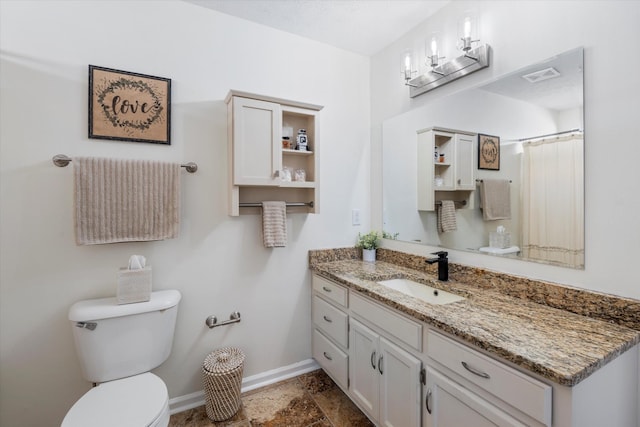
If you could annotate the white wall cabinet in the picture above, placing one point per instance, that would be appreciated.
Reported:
(384, 379)
(445, 167)
(258, 156)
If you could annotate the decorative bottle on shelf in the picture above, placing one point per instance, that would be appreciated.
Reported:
(301, 140)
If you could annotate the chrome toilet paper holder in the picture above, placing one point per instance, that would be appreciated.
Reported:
(212, 321)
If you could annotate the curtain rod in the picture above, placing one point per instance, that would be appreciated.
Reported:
(549, 134)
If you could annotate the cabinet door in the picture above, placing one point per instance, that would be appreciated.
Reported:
(425, 168)
(363, 367)
(257, 145)
(448, 404)
(399, 386)
(464, 176)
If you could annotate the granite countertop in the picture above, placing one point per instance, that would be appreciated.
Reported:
(557, 344)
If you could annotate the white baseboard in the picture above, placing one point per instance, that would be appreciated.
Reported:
(193, 400)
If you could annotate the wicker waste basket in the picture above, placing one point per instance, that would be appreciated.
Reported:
(222, 377)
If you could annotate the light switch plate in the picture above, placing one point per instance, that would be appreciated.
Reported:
(355, 217)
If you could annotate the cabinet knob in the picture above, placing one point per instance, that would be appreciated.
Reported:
(326, 319)
(324, 288)
(426, 400)
(459, 181)
(324, 353)
(373, 359)
(380, 365)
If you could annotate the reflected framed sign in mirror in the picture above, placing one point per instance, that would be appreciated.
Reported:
(529, 132)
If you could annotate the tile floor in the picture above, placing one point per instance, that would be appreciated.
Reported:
(309, 400)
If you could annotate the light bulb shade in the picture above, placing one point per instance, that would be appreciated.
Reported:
(434, 45)
(432, 50)
(407, 64)
(467, 27)
(468, 31)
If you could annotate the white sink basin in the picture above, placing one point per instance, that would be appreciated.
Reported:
(423, 292)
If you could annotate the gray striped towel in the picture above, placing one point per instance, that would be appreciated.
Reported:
(447, 216)
(120, 200)
(274, 224)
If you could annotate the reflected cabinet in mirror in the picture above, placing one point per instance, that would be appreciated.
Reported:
(497, 169)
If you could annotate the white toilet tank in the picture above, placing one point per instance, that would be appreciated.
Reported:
(116, 341)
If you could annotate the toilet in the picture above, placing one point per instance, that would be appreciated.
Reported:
(117, 346)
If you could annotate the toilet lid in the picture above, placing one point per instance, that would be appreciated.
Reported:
(135, 401)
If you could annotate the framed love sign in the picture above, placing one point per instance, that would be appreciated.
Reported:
(129, 106)
(488, 152)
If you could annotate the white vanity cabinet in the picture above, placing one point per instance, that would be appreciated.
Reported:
(448, 404)
(376, 353)
(445, 169)
(371, 352)
(384, 379)
(465, 387)
(257, 152)
(330, 329)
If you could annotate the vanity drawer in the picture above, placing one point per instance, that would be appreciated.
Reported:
(333, 360)
(396, 325)
(515, 388)
(330, 290)
(332, 321)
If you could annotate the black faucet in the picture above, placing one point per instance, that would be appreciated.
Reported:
(443, 265)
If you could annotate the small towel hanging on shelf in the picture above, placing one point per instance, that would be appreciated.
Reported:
(274, 224)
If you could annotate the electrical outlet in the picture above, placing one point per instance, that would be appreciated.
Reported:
(355, 217)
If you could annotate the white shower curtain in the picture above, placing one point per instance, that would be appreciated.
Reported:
(553, 200)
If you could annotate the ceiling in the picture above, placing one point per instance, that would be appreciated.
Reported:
(360, 26)
(563, 92)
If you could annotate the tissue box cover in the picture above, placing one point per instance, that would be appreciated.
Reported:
(134, 285)
(499, 240)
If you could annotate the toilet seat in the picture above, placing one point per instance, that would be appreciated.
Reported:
(137, 401)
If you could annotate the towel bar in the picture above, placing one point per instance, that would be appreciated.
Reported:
(461, 202)
(289, 204)
(481, 180)
(62, 160)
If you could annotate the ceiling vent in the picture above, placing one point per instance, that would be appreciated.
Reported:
(538, 76)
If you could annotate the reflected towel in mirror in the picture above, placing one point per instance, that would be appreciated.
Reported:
(495, 199)
(447, 216)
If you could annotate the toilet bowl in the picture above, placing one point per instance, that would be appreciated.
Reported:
(138, 401)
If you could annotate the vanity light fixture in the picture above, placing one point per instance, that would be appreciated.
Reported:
(473, 59)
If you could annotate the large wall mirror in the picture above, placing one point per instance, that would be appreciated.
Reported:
(535, 117)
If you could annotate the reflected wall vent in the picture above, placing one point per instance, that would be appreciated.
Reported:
(538, 76)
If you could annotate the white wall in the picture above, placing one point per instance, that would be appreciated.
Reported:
(218, 262)
(525, 32)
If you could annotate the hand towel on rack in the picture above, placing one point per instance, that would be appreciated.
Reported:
(447, 216)
(274, 224)
(119, 200)
(495, 199)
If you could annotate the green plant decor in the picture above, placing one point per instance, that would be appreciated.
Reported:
(371, 240)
